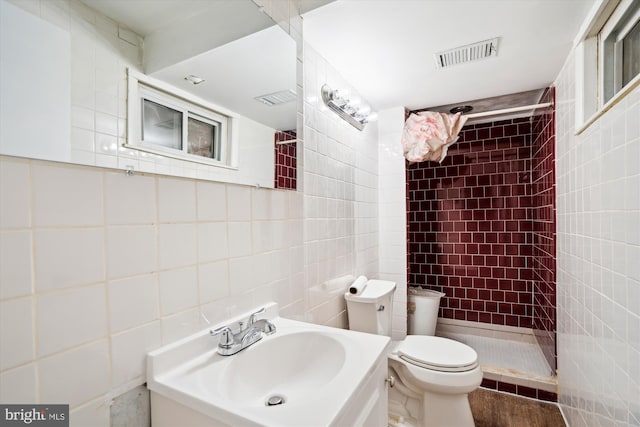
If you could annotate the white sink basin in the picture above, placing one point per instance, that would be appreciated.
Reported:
(304, 362)
(312, 372)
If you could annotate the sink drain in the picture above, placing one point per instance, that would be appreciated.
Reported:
(275, 400)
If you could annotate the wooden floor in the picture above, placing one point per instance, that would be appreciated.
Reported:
(493, 409)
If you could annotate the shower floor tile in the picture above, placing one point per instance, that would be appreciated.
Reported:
(517, 367)
(506, 354)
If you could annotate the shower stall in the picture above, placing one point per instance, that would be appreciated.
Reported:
(481, 229)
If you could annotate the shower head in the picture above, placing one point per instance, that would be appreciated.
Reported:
(463, 109)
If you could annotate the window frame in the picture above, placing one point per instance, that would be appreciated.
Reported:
(606, 17)
(141, 87)
(619, 22)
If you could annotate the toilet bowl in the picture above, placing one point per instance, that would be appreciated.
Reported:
(441, 370)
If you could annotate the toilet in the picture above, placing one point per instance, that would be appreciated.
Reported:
(436, 372)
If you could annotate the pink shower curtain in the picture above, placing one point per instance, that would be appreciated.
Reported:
(427, 135)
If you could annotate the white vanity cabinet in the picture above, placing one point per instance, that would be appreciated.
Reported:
(300, 375)
(369, 406)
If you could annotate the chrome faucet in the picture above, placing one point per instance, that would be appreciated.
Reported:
(231, 343)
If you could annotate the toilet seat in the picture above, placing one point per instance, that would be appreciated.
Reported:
(437, 353)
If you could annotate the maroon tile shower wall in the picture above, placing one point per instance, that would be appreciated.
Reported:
(470, 230)
(543, 216)
(286, 160)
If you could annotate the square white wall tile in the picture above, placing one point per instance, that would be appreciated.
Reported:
(178, 290)
(15, 264)
(261, 204)
(75, 376)
(129, 352)
(18, 385)
(68, 257)
(238, 203)
(70, 318)
(176, 200)
(213, 280)
(131, 250)
(94, 414)
(67, 196)
(177, 245)
(240, 243)
(212, 201)
(130, 199)
(213, 242)
(15, 194)
(242, 275)
(16, 332)
(180, 325)
(133, 301)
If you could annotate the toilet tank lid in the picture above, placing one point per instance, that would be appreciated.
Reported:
(374, 291)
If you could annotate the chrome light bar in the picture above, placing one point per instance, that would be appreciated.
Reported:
(352, 110)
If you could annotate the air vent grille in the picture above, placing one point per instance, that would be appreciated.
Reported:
(277, 98)
(468, 53)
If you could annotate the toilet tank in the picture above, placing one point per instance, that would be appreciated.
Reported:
(370, 310)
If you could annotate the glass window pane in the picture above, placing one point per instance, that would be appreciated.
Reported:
(631, 55)
(161, 125)
(202, 139)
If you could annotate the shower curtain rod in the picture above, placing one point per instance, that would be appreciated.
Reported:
(498, 112)
(509, 110)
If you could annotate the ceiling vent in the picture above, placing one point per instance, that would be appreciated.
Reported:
(468, 53)
(277, 98)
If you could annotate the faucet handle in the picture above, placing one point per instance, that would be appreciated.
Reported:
(227, 335)
(252, 317)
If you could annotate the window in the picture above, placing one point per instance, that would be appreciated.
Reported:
(620, 49)
(165, 120)
(608, 64)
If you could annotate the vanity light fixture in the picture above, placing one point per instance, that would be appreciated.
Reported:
(194, 79)
(350, 109)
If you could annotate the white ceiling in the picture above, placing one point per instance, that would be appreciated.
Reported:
(385, 48)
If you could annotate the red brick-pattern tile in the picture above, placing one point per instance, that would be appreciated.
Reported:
(470, 231)
(520, 390)
(286, 160)
(543, 216)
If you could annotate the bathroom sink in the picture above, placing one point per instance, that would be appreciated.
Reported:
(302, 375)
(290, 366)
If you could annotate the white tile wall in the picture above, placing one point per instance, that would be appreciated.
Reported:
(15, 258)
(129, 201)
(133, 301)
(66, 257)
(19, 385)
(129, 350)
(81, 313)
(14, 186)
(598, 295)
(16, 332)
(67, 197)
(392, 210)
(75, 376)
(81, 304)
(131, 250)
(340, 194)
